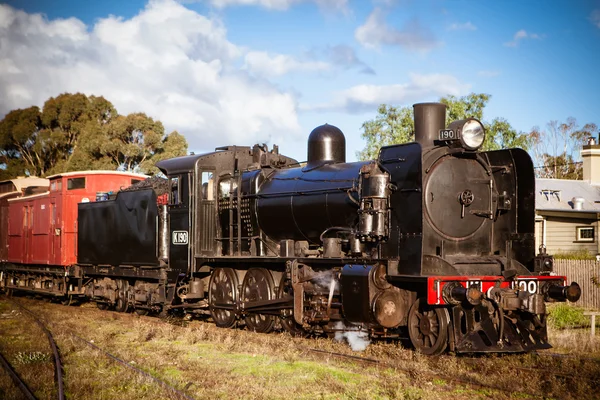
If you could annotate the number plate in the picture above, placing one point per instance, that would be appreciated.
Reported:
(180, 237)
(448, 134)
(526, 285)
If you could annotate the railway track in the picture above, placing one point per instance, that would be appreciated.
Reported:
(409, 371)
(463, 381)
(174, 392)
(58, 369)
(19, 382)
(471, 377)
(178, 394)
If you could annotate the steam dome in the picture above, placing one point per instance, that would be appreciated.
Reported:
(326, 144)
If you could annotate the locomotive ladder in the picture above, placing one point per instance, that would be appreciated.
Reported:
(235, 217)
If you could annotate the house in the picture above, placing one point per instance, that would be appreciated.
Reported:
(568, 211)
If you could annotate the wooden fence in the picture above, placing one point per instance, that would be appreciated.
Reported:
(582, 272)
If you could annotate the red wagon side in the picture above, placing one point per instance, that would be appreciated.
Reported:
(42, 228)
(11, 189)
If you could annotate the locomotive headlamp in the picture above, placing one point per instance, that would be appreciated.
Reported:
(470, 131)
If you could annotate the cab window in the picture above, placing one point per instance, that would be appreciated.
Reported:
(175, 194)
(207, 185)
(75, 183)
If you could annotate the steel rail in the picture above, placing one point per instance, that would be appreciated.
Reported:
(113, 357)
(140, 371)
(58, 376)
(17, 379)
(377, 362)
(382, 363)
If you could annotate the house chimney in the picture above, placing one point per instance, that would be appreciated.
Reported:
(591, 162)
(578, 203)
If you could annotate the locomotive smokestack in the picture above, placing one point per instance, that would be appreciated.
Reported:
(326, 145)
(429, 119)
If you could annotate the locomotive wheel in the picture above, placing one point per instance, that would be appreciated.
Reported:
(428, 327)
(222, 297)
(258, 285)
(287, 315)
(141, 311)
(121, 305)
(102, 306)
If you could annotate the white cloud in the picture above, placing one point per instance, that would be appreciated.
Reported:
(467, 26)
(369, 97)
(376, 32)
(168, 61)
(521, 35)
(595, 17)
(263, 64)
(337, 5)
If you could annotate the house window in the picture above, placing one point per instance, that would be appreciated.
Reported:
(75, 183)
(585, 233)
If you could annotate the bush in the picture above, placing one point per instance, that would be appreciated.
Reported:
(574, 255)
(564, 316)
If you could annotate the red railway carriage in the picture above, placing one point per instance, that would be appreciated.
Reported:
(11, 189)
(42, 228)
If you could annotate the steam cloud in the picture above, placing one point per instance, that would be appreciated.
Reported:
(358, 340)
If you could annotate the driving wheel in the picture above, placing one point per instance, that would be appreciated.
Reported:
(258, 286)
(222, 297)
(428, 327)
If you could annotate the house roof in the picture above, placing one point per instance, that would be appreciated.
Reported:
(558, 194)
(21, 183)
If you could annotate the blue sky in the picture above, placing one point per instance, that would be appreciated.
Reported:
(241, 71)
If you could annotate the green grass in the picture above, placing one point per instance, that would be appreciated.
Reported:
(211, 363)
(565, 316)
(574, 255)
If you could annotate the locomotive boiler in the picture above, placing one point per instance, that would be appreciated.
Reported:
(434, 239)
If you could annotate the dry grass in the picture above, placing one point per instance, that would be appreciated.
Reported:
(208, 362)
(25, 347)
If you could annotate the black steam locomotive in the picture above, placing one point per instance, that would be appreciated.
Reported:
(433, 237)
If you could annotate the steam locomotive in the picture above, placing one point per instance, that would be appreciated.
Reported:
(433, 238)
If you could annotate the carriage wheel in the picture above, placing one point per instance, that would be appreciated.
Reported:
(287, 315)
(428, 327)
(121, 305)
(258, 285)
(222, 297)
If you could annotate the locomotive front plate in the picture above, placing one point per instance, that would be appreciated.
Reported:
(448, 134)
